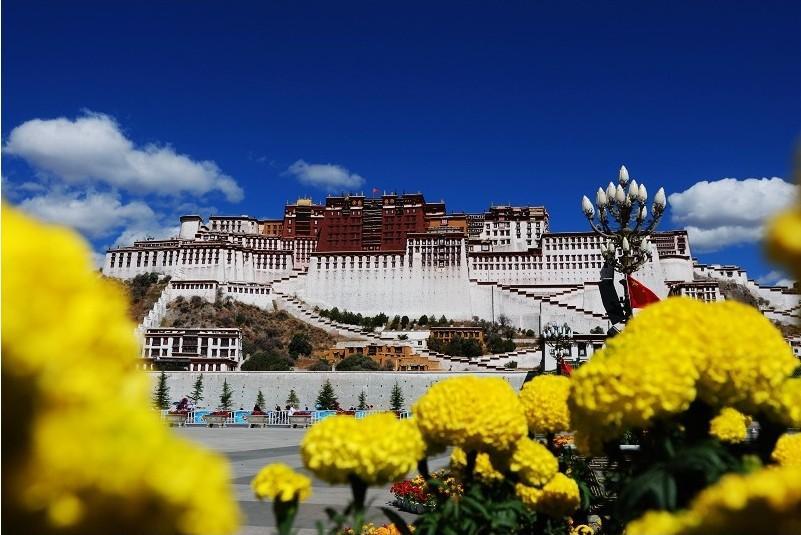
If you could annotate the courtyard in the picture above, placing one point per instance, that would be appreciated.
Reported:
(248, 450)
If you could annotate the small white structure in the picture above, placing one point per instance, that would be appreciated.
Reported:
(193, 349)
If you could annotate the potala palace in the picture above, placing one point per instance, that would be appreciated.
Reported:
(399, 254)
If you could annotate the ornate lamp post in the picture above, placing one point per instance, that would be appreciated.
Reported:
(620, 215)
(560, 339)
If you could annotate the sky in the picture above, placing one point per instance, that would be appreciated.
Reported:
(118, 117)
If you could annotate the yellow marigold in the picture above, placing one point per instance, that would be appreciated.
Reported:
(582, 529)
(783, 239)
(642, 373)
(528, 495)
(659, 523)
(743, 358)
(726, 353)
(787, 450)
(767, 502)
(377, 449)
(533, 462)
(474, 413)
(729, 426)
(90, 454)
(560, 496)
(786, 405)
(484, 468)
(279, 482)
(544, 400)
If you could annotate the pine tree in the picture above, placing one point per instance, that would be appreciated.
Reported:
(197, 391)
(292, 400)
(362, 401)
(225, 397)
(396, 400)
(260, 400)
(326, 399)
(161, 397)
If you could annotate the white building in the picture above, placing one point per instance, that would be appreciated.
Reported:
(192, 349)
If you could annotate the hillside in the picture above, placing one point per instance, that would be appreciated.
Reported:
(263, 331)
(143, 291)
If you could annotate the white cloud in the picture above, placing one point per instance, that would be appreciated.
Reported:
(92, 148)
(99, 215)
(729, 211)
(330, 177)
(775, 278)
(94, 214)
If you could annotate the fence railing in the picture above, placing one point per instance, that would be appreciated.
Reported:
(272, 418)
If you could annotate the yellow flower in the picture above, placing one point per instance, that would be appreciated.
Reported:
(659, 523)
(783, 239)
(764, 502)
(528, 495)
(767, 502)
(560, 496)
(788, 450)
(474, 413)
(90, 454)
(533, 462)
(484, 468)
(726, 353)
(582, 529)
(544, 400)
(279, 482)
(786, 405)
(377, 449)
(641, 374)
(729, 426)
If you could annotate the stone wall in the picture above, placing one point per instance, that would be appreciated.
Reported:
(347, 385)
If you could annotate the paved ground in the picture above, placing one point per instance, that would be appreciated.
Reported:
(250, 449)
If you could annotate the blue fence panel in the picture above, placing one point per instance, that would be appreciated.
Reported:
(240, 417)
(199, 414)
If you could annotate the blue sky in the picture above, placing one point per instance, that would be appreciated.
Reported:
(119, 116)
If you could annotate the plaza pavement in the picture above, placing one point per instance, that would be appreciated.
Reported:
(248, 450)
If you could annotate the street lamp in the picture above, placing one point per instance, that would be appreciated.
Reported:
(620, 215)
(560, 339)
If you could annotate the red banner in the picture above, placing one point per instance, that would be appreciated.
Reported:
(639, 294)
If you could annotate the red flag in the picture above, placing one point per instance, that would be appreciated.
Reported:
(376, 190)
(566, 368)
(639, 294)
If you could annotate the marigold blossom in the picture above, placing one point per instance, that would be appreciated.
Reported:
(729, 426)
(90, 454)
(544, 400)
(377, 449)
(787, 450)
(474, 413)
(533, 463)
(279, 482)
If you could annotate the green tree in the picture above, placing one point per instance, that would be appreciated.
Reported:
(321, 365)
(300, 345)
(404, 322)
(396, 400)
(260, 401)
(197, 390)
(327, 399)
(442, 320)
(423, 320)
(225, 397)
(292, 400)
(362, 401)
(357, 363)
(266, 362)
(395, 322)
(161, 396)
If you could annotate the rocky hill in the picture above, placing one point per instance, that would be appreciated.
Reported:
(263, 331)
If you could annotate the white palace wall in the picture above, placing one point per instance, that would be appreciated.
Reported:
(347, 385)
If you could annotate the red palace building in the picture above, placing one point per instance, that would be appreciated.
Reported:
(357, 223)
